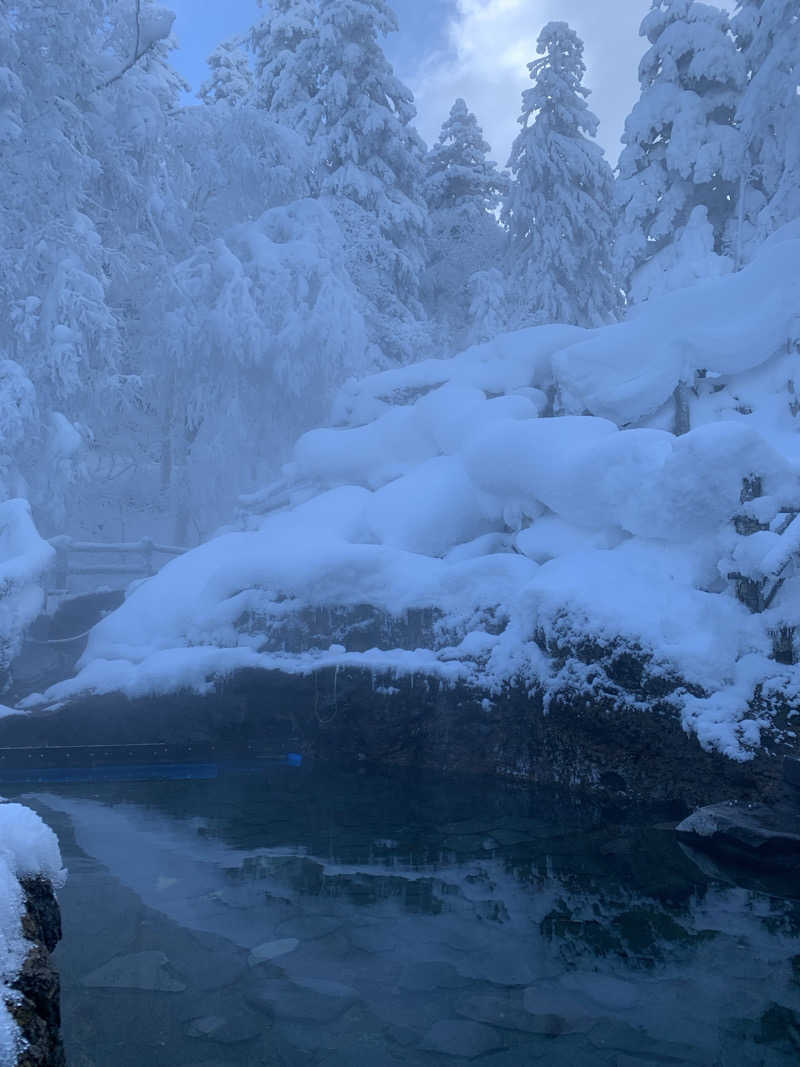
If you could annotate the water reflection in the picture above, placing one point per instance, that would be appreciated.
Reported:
(311, 917)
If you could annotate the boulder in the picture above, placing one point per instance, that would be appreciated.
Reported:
(768, 835)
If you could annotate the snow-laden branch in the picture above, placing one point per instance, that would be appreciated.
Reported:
(149, 32)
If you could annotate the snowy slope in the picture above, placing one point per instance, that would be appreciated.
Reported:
(445, 486)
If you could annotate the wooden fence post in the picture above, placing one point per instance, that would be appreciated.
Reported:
(682, 422)
(61, 568)
(147, 554)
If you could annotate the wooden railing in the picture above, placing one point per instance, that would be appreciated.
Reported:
(141, 558)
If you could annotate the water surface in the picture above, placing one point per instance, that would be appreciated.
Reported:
(275, 915)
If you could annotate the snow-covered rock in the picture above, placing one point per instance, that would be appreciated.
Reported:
(28, 849)
(443, 488)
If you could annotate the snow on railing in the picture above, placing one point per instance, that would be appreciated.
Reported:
(144, 549)
(278, 494)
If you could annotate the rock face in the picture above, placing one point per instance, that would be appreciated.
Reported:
(352, 715)
(38, 1011)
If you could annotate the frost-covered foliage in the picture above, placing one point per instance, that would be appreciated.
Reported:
(284, 45)
(113, 193)
(84, 86)
(321, 70)
(259, 326)
(18, 427)
(231, 77)
(28, 849)
(251, 321)
(488, 305)
(463, 190)
(559, 205)
(768, 32)
(681, 162)
(442, 489)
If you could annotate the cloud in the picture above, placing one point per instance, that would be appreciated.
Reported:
(490, 43)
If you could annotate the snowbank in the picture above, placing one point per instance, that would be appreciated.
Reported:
(447, 488)
(24, 557)
(725, 325)
(27, 848)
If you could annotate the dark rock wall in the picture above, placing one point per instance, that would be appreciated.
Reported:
(38, 1011)
(351, 715)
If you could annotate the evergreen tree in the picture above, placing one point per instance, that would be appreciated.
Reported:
(285, 47)
(322, 71)
(768, 33)
(458, 174)
(559, 206)
(488, 306)
(463, 190)
(681, 162)
(231, 78)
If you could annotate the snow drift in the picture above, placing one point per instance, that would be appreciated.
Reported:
(529, 494)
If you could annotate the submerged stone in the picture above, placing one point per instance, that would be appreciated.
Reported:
(505, 1014)
(308, 927)
(603, 989)
(138, 970)
(327, 988)
(241, 1025)
(429, 975)
(373, 939)
(271, 950)
(289, 1000)
(458, 1037)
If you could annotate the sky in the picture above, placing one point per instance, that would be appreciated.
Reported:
(477, 49)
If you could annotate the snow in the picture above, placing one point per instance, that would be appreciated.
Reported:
(27, 848)
(726, 325)
(24, 558)
(446, 487)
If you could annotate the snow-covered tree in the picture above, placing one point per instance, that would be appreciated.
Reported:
(285, 47)
(259, 328)
(458, 174)
(488, 306)
(18, 414)
(65, 71)
(322, 71)
(463, 190)
(768, 32)
(559, 205)
(683, 152)
(231, 77)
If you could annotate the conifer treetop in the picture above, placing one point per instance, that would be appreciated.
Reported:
(231, 78)
(457, 168)
(559, 208)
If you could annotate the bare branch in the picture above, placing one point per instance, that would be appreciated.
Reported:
(137, 54)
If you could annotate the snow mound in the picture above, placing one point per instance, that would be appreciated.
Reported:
(27, 848)
(24, 558)
(529, 496)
